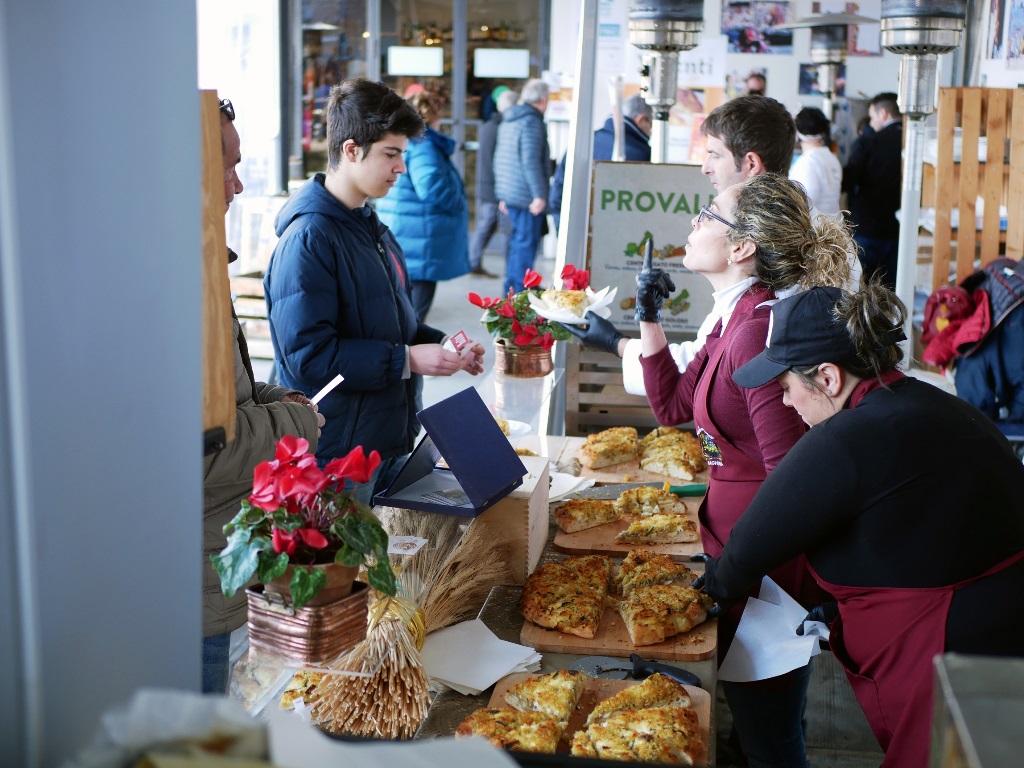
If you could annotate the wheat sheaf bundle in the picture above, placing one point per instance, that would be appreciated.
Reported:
(393, 701)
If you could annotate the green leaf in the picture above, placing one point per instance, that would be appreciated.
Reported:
(382, 578)
(306, 582)
(238, 561)
(356, 533)
(271, 567)
(348, 556)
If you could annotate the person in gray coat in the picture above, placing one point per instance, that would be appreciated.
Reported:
(522, 170)
(486, 200)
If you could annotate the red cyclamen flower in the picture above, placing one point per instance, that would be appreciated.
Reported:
(356, 467)
(291, 448)
(575, 279)
(482, 301)
(531, 279)
(506, 310)
(264, 486)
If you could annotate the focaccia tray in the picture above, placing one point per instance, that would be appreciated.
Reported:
(612, 639)
(626, 472)
(598, 689)
(600, 540)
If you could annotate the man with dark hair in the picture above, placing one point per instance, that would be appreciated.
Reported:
(338, 292)
(872, 180)
(755, 84)
(522, 169)
(264, 414)
(747, 136)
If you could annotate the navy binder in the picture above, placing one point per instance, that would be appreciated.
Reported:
(482, 466)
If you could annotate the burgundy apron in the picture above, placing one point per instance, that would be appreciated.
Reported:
(886, 638)
(734, 477)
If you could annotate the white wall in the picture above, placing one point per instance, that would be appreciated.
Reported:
(100, 466)
(999, 71)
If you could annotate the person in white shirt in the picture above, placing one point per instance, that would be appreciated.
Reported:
(817, 169)
(746, 136)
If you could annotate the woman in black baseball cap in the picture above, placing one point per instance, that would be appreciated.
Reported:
(908, 503)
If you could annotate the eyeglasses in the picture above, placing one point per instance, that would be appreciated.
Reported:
(228, 109)
(706, 211)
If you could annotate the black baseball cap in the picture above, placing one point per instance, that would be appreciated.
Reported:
(803, 332)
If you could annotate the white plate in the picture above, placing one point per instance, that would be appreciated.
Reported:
(600, 304)
(518, 428)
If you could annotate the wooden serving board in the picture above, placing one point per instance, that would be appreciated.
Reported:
(600, 540)
(598, 689)
(612, 639)
(626, 472)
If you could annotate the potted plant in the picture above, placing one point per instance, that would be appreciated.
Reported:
(522, 338)
(300, 519)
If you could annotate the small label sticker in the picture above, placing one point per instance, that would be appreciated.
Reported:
(405, 545)
(457, 342)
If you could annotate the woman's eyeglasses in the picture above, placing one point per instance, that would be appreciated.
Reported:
(228, 109)
(706, 211)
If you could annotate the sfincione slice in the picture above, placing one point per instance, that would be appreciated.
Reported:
(568, 595)
(511, 729)
(660, 529)
(668, 735)
(642, 568)
(653, 614)
(656, 691)
(579, 514)
(647, 500)
(556, 694)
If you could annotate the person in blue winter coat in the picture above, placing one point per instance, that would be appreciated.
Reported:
(427, 211)
(522, 171)
(637, 117)
(338, 290)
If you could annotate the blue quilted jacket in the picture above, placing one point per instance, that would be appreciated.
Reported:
(339, 301)
(522, 160)
(427, 210)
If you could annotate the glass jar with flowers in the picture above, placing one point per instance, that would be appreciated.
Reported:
(301, 533)
(522, 338)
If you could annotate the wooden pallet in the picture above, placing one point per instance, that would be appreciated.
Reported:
(251, 308)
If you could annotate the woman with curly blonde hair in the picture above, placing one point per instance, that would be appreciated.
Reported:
(754, 243)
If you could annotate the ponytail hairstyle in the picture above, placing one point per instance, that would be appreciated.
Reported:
(874, 318)
(792, 250)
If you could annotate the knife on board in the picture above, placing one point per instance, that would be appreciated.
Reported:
(638, 668)
(696, 489)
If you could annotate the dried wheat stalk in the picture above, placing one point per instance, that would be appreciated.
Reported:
(390, 704)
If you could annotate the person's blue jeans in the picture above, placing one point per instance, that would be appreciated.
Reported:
(768, 718)
(522, 245)
(379, 481)
(486, 226)
(215, 663)
(878, 255)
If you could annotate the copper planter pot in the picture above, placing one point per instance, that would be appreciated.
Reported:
(527, 362)
(340, 579)
(312, 634)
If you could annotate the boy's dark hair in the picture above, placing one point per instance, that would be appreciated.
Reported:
(757, 124)
(364, 110)
(888, 101)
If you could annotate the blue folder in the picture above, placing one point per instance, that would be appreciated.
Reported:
(464, 454)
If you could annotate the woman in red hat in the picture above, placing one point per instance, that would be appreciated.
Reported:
(908, 502)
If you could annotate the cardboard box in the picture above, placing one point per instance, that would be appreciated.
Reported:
(462, 466)
(521, 520)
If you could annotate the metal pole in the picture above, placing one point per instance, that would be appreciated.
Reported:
(576, 194)
(460, 54)
(910, 211)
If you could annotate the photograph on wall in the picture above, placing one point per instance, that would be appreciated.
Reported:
(809, 85)
(753, 27)
(861, 39)
(996, 16)
(1015, 35)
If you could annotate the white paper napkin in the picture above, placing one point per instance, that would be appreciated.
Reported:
(469, 658)
(563, 484)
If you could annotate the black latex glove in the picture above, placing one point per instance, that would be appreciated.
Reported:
(698, 583)
(599, 334)
(826, 613)
(653, 286)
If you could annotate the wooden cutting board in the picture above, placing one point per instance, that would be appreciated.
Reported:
(597, 690)
(612, 639)
(600, 540)
(626, 472)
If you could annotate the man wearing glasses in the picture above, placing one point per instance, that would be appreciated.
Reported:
(746, 136)
(264, 414)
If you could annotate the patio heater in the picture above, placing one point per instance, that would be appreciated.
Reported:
(919, 30)
(663, 29)
(829, 40)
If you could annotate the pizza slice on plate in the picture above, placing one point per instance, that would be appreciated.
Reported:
(660, 529)
(642, 568)
(571, 301)
(653, 614)
(556, 694)
(511, 729)
(579, 514)
(656, 691)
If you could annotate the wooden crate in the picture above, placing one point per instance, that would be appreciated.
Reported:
(594, 396)
(952, 184)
